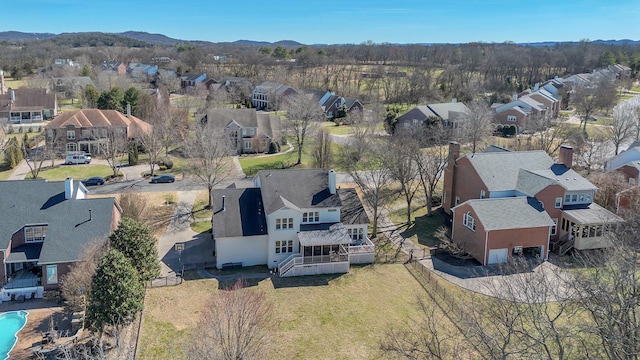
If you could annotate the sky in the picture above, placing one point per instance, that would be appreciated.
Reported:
(335, 21)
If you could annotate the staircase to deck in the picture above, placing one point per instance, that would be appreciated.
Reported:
(563, 245)
(288, 263)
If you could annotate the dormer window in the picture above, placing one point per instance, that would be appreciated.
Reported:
(311, 217)
(35, 233)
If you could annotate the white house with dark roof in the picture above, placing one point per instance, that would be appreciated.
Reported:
(44, 229)
(295, 221)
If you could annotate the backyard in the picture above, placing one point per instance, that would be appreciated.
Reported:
(320, 317)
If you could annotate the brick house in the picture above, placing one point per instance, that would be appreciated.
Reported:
(84, 130)
(249, 131)
(504, 203)
(46, 226)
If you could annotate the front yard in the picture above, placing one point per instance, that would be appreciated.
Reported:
(321, 317)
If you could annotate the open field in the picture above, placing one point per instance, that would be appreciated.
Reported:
(321, 317)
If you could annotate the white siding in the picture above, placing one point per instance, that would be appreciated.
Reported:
(274, 259)
(250, 250)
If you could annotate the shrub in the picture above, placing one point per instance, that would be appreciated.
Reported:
(163, 167)
(30, 129)
(273, 147)
(167, 162)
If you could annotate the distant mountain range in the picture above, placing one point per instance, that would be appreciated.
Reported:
(161, 39)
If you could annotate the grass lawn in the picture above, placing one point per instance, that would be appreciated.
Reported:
(320, 317)
(252, 164)
(202, 216)
(78, 172)
(423, 228)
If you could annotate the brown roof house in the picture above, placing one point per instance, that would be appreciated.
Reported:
(296, 221)
(506, 203)
(45, 228)
(249, 131)
(23, 106)
(84, 130)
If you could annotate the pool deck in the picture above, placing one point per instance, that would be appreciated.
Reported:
(40, 311)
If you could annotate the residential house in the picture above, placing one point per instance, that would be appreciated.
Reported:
(295, 221)
(191, 80)
(331, 103)
(627, 162)
(504, 203)
(530, 107)
(87, 129)
(45, 228)
(620, 70)
(23, 106)
(64, 63)
(249, 131)
(270, 95)
(450, 114)
(141, 71)
(70, 86)
(116, 66)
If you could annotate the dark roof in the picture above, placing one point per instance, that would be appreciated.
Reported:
(350, 103)
(25, 252)
(266, 123)
(331, 100)
(29, 100)
(243, 214)
(69, 229)
(352, 211)
(304, 188)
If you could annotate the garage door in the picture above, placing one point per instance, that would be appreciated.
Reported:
(497, 256)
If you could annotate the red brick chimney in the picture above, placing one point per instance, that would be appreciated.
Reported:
(449, 195)
(566, 156)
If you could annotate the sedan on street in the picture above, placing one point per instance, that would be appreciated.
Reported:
(166, 178)
(96, 180)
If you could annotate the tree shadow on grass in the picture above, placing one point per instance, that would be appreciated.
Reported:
(302, 281)
(425, 229)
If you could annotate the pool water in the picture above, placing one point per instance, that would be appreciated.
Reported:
(10, 324)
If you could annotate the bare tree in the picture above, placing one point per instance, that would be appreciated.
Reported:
(303, 117)
(402, 168)
(321, 152)
(114, 146)
(476, 126)
(585, 100)
(35, 158)
(622, 127)
(591, 153)
(134, 205)
(431, 162)
(208, 150)
(235, 324)
(75, 285)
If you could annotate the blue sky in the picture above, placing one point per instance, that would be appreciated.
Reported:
(334, 21)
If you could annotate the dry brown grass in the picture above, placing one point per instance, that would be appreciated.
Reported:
(320, 317)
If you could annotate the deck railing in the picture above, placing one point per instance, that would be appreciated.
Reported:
(290, 262)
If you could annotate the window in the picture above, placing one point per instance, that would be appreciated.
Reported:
(52, 274)
(35, 233)
(416, 122)
(86, 133)
(284, 246)
(554, 228)
(311, 217)
(284, 223)
(247, 144)
(512, 118)
(50, 133)
(469, 221)
(356, 234)
(72, 147)
(581, 198)
(632, 181)
(558, 203)
(71, 134)
(457, 200)
(482, 194)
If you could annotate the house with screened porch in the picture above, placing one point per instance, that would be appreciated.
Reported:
(505, 203)
(297, 222)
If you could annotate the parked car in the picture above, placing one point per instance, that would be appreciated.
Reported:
(166, 178)
(77, 159)
(96, 180)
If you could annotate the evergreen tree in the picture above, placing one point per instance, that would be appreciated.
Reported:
(117, 293)
(136, 242)
(111, 100)
(91, 96)
(131, 97)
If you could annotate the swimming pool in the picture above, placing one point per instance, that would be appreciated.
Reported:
(10, 323)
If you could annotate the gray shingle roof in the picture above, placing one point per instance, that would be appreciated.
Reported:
(591, 214)
(352, 211)
(305, 188)
(334, 234)
(499, 170)
(449, 111)
(243, 215)
(266, 123)
(69, 228)
(508, 213)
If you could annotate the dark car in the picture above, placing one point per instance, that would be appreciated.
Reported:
(166, 178)
(96, 180)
